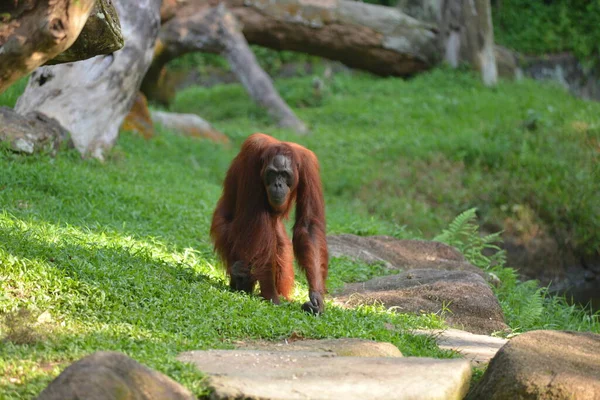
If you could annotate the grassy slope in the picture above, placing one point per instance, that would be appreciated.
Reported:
(418, 152)
(119, 254)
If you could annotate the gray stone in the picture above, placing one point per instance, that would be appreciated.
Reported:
(350, 347)
(462, 298)
(108, 375)
(400, 254)
(238, 374)
(551, 365)
(479, 349)
(34, 132)
(565, 69)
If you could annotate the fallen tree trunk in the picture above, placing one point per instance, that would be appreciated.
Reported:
(32, 33)
(398, 41)
(378, 39)
(91, 98)
(382, 40)
(215, 30)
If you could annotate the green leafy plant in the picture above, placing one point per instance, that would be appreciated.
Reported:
(538, 26)
(463, 233)
(525, 304)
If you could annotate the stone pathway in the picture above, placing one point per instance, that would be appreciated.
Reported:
(350, 347)
(479, 349)
(255, 374)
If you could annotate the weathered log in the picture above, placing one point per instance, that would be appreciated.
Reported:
(32, 32)
(101, 34)
(215, 30)
(381, 40)
(403, 41)
(480, 39)
(31, 133)
(91, 98)
(467, 35)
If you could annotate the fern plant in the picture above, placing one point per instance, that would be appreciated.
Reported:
(463, 233)
(525, 304)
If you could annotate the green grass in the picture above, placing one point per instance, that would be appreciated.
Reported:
(419, 152)
(119, 255)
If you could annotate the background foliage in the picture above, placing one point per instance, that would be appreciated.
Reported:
(545, 26)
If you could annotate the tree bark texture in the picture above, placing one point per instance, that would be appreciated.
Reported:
(403, 41)
(480, 33)
(101, 34)
(32, 32)
(423, 10)
(467, 35)
(215, 30)
(381, 40)
(91, 98)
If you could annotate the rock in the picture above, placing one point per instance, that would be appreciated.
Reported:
(565, 69)
(111, 375)
(349, 347)
(188, 125)
(466, 297)
(400, 254)
(552, 365)
(237, 374)
(31, 133)
(479, 349)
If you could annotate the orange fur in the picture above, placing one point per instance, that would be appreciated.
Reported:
(246, 228)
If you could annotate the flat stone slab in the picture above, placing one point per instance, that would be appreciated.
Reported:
(350, 347)
(251, 374)
(479, 349)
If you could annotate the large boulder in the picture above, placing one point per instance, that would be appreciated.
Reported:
(463, 298)
(400, 254)
(109, 375)
(550, 365)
